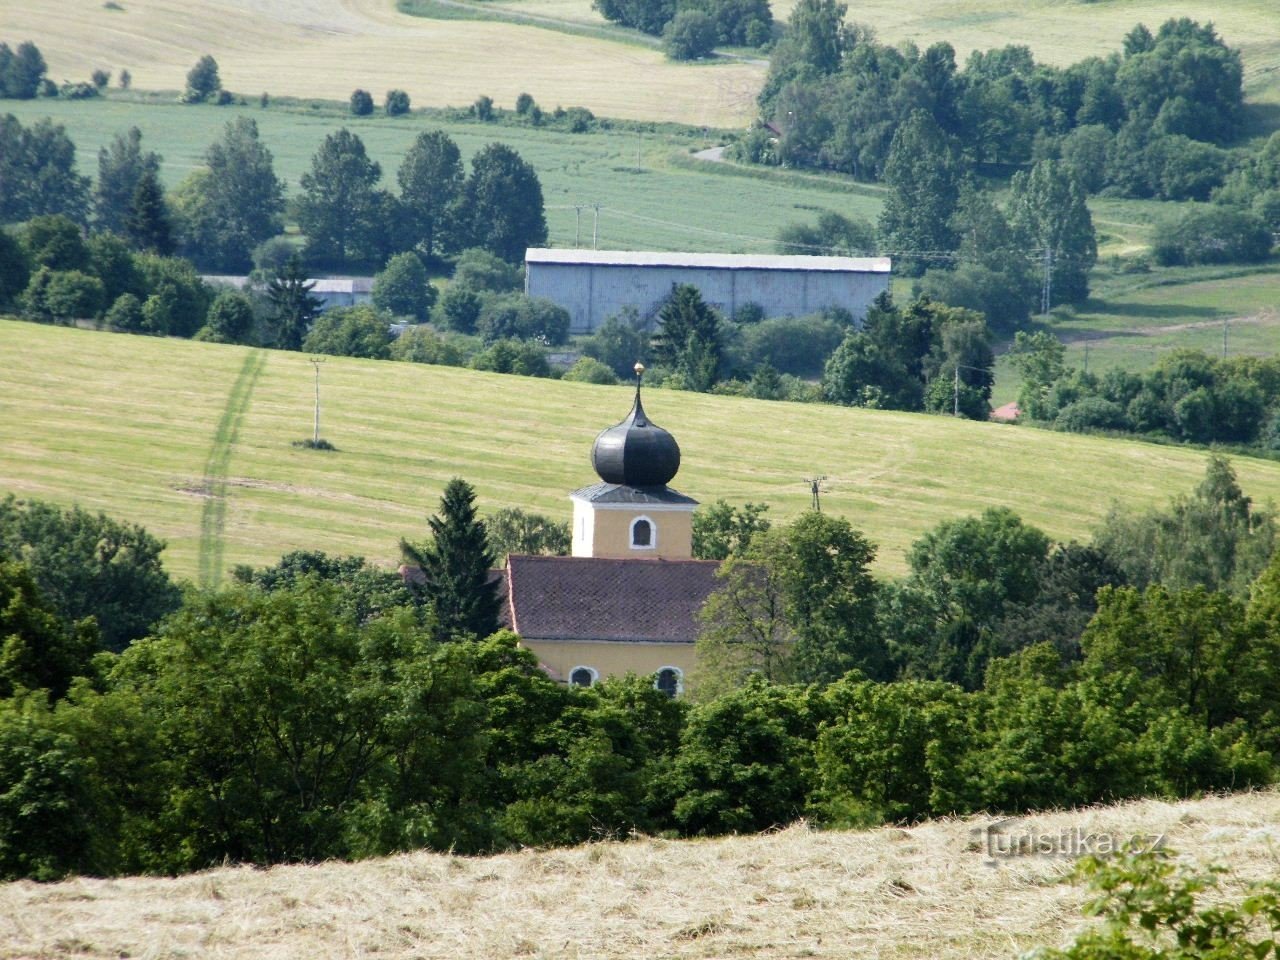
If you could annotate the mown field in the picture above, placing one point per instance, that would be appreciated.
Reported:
(194, 441)
(895, 894)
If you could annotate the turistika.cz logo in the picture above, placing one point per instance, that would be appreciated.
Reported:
(1009, 838)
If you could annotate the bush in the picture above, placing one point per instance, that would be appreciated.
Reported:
(271, 256)
(397, 103)
(479, 270)
(1091, 413)
(458, 309)
(350, 332)
(515, 316)
(514, 356)
(482, 109)
(524, 104)
(691, 35)
(125, 314)
(62, 295)
(230, 319)
(590, 370)
(424, 345)
(1213, 235)
(100, 78)
(361, 103)
(578, 119)
(403, 288)
(792, 345)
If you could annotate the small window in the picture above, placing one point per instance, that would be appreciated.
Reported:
(670, 680)
(582, 677)
(642, 534)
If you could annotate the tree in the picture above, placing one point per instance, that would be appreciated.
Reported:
(38, 650)
(125, 314)
(721, 530)
(1049, 216)
(1213, 235)
(178, 300)
(295, 309)
(147, 223)
(89, 565)
(816, 32)
(397, 103)
(62, 296)
(455, 564)
(361, 103)
(649, 16)
(688, 339)
(350, 332)
(403, 288)
(833, 235)
(479, 270)
(55, 242)
(38, 172)
(619, 342)
(14, 271)
(514, 316)
(431, 188)
(524, 358)
(121, 167)
(230, 319)
(235, 204)
(1038, 358)
(503, 203)
(512, 530)
(458, 309)
(690, 35)
(338, 211)
(590, 370)
(202, 81)
(923, 173)
(21, 72)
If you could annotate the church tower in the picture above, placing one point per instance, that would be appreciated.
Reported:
(632, 513)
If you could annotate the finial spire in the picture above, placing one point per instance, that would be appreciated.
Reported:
(639, 410)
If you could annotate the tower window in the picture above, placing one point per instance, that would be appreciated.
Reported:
(670, 680)
(582, 677)
(642, 534)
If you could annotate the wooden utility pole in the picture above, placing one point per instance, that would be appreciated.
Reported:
(315, 437)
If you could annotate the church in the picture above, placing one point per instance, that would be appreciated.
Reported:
(627, 599)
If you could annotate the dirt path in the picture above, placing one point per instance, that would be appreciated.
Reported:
(1264, 318)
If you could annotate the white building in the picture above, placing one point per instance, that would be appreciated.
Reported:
(594, 284)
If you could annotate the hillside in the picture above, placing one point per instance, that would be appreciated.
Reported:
(925, 892)
(325, 48)
(193, 440)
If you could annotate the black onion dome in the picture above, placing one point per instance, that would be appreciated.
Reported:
(636, 452)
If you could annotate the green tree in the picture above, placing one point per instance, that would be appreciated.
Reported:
(235, 203)
(338, 210)
(56, 242)
(923, 174)
(619, 343)
(178, 299)
(1049, 217)
(455, 564)
(503, 203)
(350, 332)
(14, 271)
(721, 529)
(689, 35)
(147, 223)
(478, 270)
(458, 309)
(403, 288)
(523, 358)
(88, 565)
(38, 650)
(38, 172)
(21, 71)
(512, 530)
(361, 103)
(514, 316)
(203, 81)
(817, 33)
(1214, 235)
(833, 235)
(688, 340)
(1038, 358)
(121, 166)
(397, 103)
(431, 189)
(294, 308)
(230, 319)
(125, 314)
(112, 262)
(590, 370)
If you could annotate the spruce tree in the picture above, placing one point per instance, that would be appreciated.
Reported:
(293, 305)
(147, 223)
(455, 564)
(689, 338)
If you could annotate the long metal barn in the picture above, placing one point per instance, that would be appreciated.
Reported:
(595, 284)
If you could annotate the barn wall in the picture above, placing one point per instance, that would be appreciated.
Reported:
(592, 292)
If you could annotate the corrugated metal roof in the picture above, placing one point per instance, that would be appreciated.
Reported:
(712, 261)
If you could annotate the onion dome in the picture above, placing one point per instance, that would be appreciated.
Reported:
(636, 452)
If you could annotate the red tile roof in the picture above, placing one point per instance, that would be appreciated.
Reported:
(590, 598)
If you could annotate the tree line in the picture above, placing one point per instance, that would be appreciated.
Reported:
(323, 708)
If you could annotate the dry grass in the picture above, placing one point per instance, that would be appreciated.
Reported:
(327, 48)
(890, 893)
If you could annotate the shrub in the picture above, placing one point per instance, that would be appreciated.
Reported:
(100, 78)
(361, 103)
(524, 104)
(578, 119)
(403, 288)
(397, 103)
(515, 316)
(1213, 235)
(482, 109)
(126, 79)
(230, 319)
(590, 370)
(424, 345)
(125, 314)
(458, 309)
(1091, 413)
(514, 356)
(271, 256)
(798, 346)
(62, 295)
(350, 332)
(479, 270)
(691, 35)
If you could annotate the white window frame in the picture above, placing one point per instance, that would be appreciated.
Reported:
(679, 678)
(595, 675)
(653, 534)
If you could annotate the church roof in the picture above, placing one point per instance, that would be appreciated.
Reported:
(636, 452)
(592, 598)
(621, 493)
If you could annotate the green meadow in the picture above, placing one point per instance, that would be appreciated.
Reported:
(195, 442)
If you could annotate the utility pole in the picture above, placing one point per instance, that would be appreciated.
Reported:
(1046, 295)
(955, 386)
(315, 438)
(815, 488)
(577, 224)
(1226, 323)
(638, 135)
(1086, 356)
(595, 230)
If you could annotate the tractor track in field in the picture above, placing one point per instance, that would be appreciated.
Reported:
(213, 516)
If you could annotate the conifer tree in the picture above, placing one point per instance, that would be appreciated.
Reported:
(295, 308)
(689, 339)
(147, 224)
(455, 564)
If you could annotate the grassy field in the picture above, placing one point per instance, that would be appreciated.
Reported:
(892, 894)
(193, 440)
(689, 205)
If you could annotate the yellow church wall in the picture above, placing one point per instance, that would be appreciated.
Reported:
(606, 532)
(611, 659)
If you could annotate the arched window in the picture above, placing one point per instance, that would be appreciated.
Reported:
(583, 677)
(643, 534)
(670, 680)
